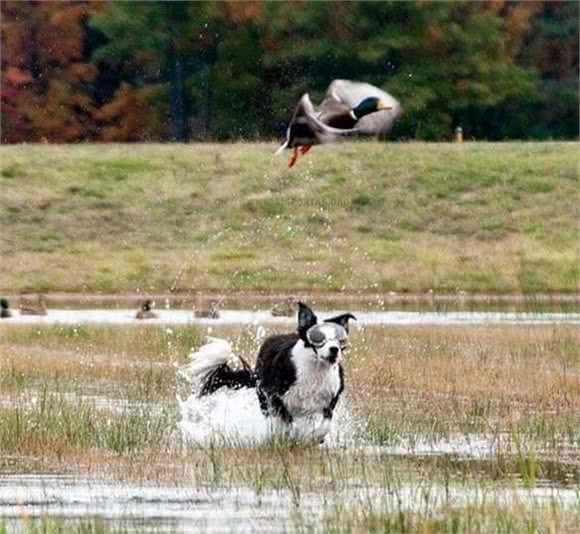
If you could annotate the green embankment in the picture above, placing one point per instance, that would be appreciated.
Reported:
(476, 217)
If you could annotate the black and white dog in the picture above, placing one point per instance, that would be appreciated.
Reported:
(296, 375)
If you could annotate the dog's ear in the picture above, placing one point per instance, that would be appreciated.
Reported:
(342, 320)
(306, 319)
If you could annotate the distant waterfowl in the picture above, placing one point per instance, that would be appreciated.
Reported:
(33, 306)
(284, 309)
(5, 312)
(207, 313)
(145, 312)
(349, 108)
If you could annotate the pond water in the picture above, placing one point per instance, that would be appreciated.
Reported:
(157, 508)
(256, 317)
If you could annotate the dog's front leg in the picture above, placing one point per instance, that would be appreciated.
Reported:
(328, 412)
(280, 417)
(280, 409)
(324, 427)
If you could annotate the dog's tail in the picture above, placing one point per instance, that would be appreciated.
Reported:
(209, 369)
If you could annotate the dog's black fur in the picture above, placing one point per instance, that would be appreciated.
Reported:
(276, 374)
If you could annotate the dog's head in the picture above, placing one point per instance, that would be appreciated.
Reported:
(327, 339)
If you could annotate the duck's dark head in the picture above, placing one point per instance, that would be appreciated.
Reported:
(146, 306)
(370, 105)
(4, 304)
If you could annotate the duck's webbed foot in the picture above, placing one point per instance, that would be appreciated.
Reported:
(298, 151)
(294, 157)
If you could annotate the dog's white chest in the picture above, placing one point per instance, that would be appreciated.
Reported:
(317, 383)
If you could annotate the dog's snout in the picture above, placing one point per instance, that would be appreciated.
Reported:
(332, 354)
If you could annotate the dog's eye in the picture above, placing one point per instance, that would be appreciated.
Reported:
(316, 337)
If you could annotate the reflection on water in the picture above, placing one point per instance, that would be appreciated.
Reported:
(140, 507)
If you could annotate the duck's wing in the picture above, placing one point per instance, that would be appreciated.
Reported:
(305, 128)
(330, 108)
(351, 94)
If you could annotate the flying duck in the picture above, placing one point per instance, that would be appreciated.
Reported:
(349, 108)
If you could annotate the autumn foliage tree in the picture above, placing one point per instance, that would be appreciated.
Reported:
(46, 72)
(143, 71)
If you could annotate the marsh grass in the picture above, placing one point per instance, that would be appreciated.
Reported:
(51, 425)
(405, 382)
(138, 361)
(138, 342)
(478, 217)
(91, 525)
(50, 525)
(518, 387)
(484, 518)
(501, 367)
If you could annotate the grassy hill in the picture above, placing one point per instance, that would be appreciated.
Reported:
(363, 216)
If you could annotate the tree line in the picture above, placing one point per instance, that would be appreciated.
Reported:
(154, 71)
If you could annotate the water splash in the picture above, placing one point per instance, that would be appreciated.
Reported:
(225, 416)
(234, 417)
